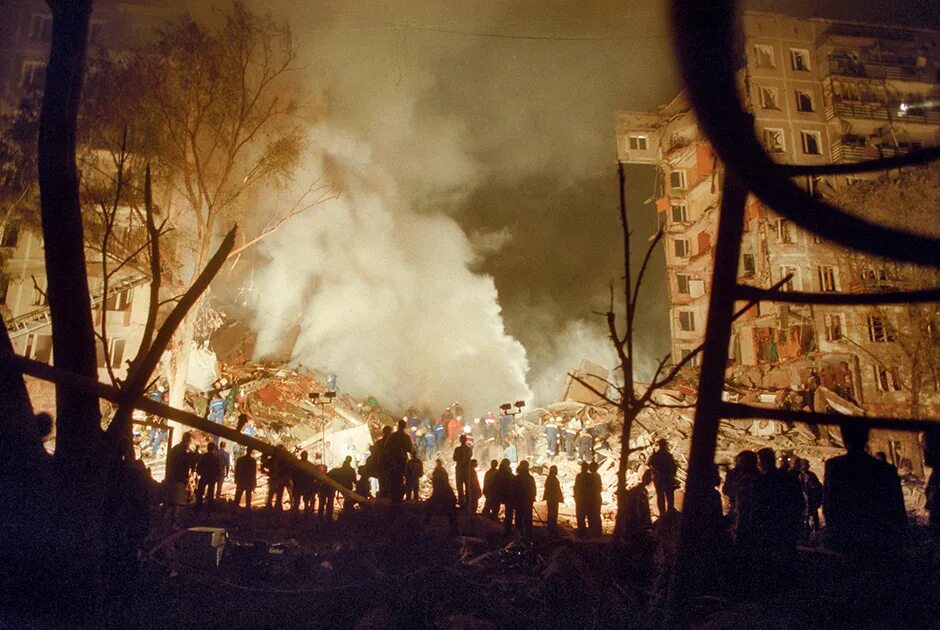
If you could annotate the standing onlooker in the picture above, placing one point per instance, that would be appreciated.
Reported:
(475, 491)
(863, 503)
(491, 502)
(524, 494)
(210, 470)
(553, 497)
(413, 474)
(225, 463)
(664, 469)
(813, 491)
(303, 484)
(246, 478)
(179, 463)
(594, 515)
(462, 456)
(583, 495)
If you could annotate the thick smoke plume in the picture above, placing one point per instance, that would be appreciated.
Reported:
(384, 295)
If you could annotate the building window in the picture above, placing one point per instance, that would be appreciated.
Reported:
(786, 231)
(804, 101)
(827, 279)
(40, 27)
(684, 354)
(764, 56)
(638, 143)
(878, 331)
(677, 180)
(119, 301)
(115, 352)
(835, 324)
(681, 248)
(749, 263)
(4, 288)
(33, 75)
(773, 140)
(887, 379)
(793, 283)
(768, 98)
(799, 59)
(682, 283)
(10, 237)
(811, 142)
(680, 213)
(38, 347)
(687, 321)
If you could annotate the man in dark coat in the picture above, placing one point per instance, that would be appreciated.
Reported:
(491, 503)
(462, 456)
(664, 469)
(209, 469)
(583, 496)
(246, 478)
(862, 501)
(524, 495)
(553, 497)
(395, 452)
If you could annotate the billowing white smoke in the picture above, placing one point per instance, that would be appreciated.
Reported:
(384, 295)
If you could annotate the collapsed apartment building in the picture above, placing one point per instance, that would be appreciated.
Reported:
(819, 91)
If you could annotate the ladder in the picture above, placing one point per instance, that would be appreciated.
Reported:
(42, 317)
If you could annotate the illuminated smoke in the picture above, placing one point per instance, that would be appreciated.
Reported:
(384, 295)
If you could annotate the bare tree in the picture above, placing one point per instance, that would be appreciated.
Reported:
(630, 397)
(221, 125)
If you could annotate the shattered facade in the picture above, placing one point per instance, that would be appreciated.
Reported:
(820, 92)
(25, 38)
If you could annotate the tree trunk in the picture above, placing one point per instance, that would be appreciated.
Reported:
(73, 341)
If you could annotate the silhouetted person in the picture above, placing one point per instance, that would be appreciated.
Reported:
(503, 483)
(778, 512)
(583, 496)
(475, 491)
(179, 462)
(210, 470)
(363, 483)
(345, 476)
(862, 500)
(378, 466)
(246, 478)
(664, 469)
(635, 521)
(491, 502)
(278, 478)
(304, 487)
(225, 462)
(553, 497)
(813, 491)
(413, 474)
(594, 515)
(443, 501)
(462, 456)
(395, 454)
(524, 495)
(739, 488)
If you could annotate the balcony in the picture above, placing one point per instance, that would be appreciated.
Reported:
(874, 110)
(870, 69)
(851, 148)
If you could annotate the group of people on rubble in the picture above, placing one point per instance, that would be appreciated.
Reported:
(773, 505)
(573, 437)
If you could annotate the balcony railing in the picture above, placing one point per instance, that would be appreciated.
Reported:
(880, 111)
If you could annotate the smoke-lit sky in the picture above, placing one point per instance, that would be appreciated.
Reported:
(477, 135)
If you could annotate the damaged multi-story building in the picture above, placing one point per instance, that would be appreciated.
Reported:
(25, 39)
(820, 91)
